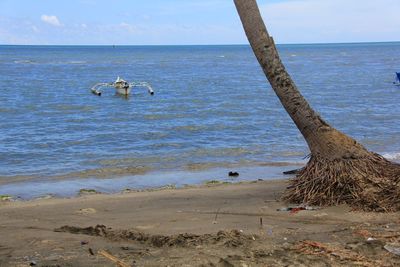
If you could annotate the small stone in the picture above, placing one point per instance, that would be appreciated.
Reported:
(233, 174)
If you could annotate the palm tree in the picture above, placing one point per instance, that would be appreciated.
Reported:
(340, 170)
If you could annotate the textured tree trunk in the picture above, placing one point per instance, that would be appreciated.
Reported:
(340, 169)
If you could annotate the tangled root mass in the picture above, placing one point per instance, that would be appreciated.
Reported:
(370, 183)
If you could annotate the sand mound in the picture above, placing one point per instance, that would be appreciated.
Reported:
(233, 238)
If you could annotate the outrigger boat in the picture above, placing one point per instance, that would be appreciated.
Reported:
(397, 82)
(121, 87)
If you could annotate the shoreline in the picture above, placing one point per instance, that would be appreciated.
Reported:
(230, 223)
(61, 188)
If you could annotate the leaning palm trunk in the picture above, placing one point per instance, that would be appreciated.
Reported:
(340, 170)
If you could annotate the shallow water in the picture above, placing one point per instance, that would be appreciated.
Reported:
(212, 107)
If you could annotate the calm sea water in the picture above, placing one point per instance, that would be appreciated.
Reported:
(212, 107)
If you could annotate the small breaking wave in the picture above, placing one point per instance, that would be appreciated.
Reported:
(105, 172)
(24, 62)
(76, 62)
(392, 156)
(70, 62)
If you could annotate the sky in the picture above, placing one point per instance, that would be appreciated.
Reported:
(187, 22)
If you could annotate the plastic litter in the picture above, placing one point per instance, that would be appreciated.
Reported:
(392, 249)
(294, 210)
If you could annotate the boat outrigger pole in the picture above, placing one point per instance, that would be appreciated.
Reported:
(121, 87)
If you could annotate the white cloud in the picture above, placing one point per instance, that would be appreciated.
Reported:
(51, 19)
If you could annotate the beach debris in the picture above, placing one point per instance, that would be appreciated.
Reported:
(215, 182)
(316, 248)
(216, 216)
(121, 87)
(129, 190)
(33, 263)
(47, 196)
(112, 258)
(295, 171)
(223, 263)
(5, 197)
(270, 232)
(393, 248)
(84, 242)
(364, 233)
(85, 191)
(233, 174)
(212, 182)
(294, 210)
(91, 251)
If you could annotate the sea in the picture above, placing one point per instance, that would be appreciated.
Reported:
(212, 112)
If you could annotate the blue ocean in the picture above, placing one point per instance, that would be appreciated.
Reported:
(212, 112)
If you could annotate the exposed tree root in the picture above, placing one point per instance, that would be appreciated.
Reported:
(369, 183)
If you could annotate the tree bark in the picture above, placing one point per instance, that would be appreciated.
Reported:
(334, 155)
(321, 138)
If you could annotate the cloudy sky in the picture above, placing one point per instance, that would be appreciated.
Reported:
(154, 22)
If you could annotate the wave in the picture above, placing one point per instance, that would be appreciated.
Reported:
(249, 164)
(105, 172)
(75, 62)
(71, 62)
(24, 62)
(392, 156)
(99, 173)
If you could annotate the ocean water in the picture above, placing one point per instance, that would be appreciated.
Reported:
(212, 109)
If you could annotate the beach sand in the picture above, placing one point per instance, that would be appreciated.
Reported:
(218, 225)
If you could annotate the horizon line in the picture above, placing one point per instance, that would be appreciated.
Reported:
(233, 44)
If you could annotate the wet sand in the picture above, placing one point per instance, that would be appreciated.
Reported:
(218, 225)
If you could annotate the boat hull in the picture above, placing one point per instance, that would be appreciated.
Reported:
(123, 90)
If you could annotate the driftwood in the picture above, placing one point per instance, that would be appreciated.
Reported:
(113, 258)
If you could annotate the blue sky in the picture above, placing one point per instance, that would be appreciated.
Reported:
(155, 22)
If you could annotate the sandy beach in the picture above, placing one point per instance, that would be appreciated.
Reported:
(209, 225)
